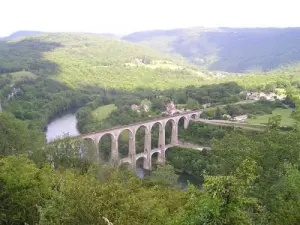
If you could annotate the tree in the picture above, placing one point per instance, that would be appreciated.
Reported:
(218, 115)
(24, 188)
(270, 87)
(15, 136)
(192, 104)
(224, 199)
(164, 175)
(158, 104)
(180, 97)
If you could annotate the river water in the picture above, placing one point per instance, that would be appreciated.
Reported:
(67, 124)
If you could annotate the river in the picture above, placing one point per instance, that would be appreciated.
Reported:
(67, 124)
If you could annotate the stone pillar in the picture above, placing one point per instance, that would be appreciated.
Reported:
(174, 138)
(96, 150)
(114, 150)
(162, 144)
(132, 151)
(186, 123)
(147, 150)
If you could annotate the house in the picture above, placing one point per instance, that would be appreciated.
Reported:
(241, 118)
(171, 108)
(262, 95)
(253, 96)
(206, 105)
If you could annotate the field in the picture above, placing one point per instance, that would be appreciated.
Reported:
(18, 76)
(287, 120)
(103, 112)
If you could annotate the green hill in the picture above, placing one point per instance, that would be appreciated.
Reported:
(80, 60)
(47, 74)
(227, 49)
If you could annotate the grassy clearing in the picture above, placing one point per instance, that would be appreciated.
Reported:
(287, 120)
(18, 76)
(103, 112)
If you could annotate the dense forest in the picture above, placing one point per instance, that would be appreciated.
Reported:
(227, 49)
(248, 178)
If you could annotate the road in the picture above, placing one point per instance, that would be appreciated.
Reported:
(257, 127)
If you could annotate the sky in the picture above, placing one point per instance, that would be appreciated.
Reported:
(126, 16)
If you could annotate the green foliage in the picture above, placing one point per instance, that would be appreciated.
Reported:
(202, 134)
(224, 199)
(285, 114)
(24, 188)
(43, 196)
(16, 138)
(192, 104)
(218, 115)
(192, 162)
(103, 112)
(256, 108)
(164, 175)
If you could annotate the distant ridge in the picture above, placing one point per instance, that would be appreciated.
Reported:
(227, 49)
(21, 34)
(25, 33)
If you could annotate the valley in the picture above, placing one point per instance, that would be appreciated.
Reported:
(244, 85)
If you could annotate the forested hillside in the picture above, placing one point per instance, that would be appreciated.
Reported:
(78, 60)
(248, 178)
(47, 74)
(44, 75)
(227, 49)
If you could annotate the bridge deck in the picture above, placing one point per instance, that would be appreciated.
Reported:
(139, 123)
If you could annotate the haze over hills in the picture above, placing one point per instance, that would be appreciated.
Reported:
(227, 49)
(20, 34)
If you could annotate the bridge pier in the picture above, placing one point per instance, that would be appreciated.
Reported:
(174, 138)
(97, 150)
(161, 145)
(147, 150)
(114, 150)
(186, 123)
(132, 153)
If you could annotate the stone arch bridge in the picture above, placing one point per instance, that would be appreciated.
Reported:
(132, 129)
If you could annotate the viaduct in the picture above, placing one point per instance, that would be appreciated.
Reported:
(132, 129)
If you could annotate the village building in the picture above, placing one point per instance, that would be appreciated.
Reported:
(170, 108)
(206, 105)
(241, 118)
(262, 95)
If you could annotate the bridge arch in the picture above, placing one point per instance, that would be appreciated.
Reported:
(126, 140)
(185, 122)
(157, 131)
(106, 144)
(142, 139)
(171, 131)
(89, 148)
(143, 162)
(195, 115)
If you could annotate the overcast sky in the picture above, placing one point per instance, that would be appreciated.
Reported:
(125, 16)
